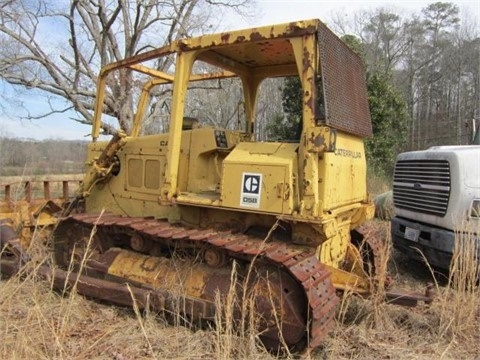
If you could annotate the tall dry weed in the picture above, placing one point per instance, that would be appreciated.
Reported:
(237, 318)
(460, 301)
(40, 323)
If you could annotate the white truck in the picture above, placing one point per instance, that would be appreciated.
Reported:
(436, 193)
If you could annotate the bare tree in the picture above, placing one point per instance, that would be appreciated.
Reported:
(387, 39)
(407, 75)
(440, 19)
(59, 47)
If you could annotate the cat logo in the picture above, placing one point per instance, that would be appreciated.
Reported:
(251, 190)
(251, 183)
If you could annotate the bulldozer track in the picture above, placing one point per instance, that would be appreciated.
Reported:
(372, 246)
(300, 263)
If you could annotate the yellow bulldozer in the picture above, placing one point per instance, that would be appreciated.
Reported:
(176, 212)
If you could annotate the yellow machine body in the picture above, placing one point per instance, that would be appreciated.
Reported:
(205, 176)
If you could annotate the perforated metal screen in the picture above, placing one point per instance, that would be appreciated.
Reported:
(344, 87)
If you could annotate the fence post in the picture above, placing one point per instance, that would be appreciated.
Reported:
(46, 190)
(65, 189)
(28, 191)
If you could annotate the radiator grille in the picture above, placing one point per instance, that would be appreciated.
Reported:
(422, 186)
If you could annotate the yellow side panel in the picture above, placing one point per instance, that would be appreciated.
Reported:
(144, 173)
(259, 177)
(135, 190)
(342, 174)
(254, 187)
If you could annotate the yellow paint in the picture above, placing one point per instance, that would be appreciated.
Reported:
(172, 275)
(342, 173)
(348, 281)
(275, 161)
(182, 73)
(333, 250)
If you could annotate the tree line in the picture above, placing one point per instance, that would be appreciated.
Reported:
(30, 157)
(423, 68)
(423, 80)
(433, 60)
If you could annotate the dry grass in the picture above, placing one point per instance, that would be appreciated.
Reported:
(41, 323)
(36, 322)
(462, 290)
(447, 329)
(236, 337)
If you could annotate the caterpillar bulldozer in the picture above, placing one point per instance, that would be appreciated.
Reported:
(166, 219)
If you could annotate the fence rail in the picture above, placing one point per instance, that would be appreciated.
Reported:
(31, 188)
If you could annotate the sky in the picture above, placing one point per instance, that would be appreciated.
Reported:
(60, 126)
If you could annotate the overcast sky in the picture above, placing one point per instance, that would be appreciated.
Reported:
(270, 12)
(288, 10)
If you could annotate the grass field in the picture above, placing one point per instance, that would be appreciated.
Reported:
(37, 322)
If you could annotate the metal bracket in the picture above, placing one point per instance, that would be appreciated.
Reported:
(321, 139)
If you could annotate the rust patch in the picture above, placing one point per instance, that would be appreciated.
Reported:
(6, 233)
(225, 38)
(256, 36)
(307, 63)
(318, 141)
(240, 39)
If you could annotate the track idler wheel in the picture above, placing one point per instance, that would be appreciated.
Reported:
(214, 257)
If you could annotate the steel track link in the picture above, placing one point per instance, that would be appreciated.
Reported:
(374, 253)
(300, 263)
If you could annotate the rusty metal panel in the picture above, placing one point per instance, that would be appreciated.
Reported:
(185, 234)
(144, 225)
(129, 221)
(325, 310)
(344, 88)
(243, 243)
(154, 230)
(93, 218)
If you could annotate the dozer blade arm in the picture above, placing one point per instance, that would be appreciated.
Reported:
(100, 168)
